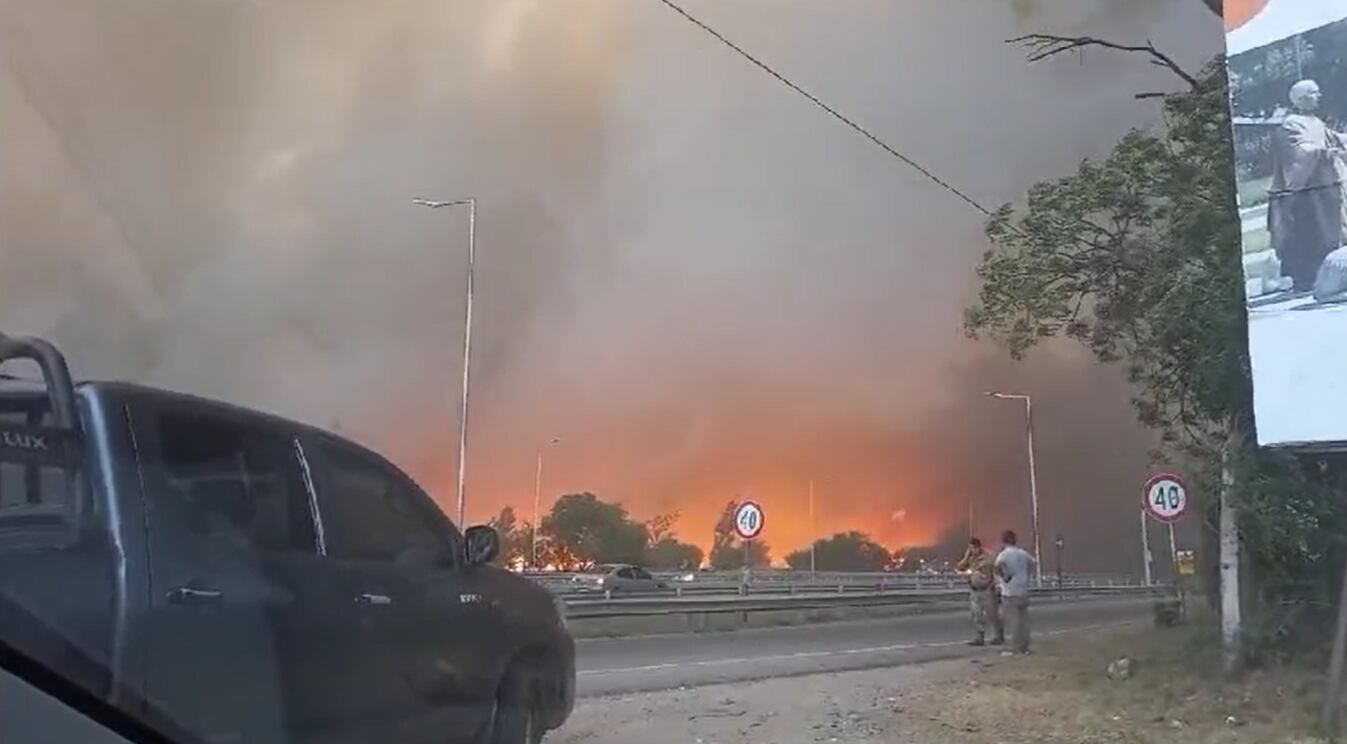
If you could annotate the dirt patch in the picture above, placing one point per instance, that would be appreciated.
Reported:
(1059, 694)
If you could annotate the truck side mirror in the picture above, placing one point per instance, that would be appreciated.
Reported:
(481, 545)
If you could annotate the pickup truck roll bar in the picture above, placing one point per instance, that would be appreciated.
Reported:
(59, 444)
(55, 373)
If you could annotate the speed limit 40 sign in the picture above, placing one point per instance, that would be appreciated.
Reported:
(748, 520)
(1165, 497)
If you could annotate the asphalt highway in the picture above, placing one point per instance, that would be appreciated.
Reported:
(619, 665)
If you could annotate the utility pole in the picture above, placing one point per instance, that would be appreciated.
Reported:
(813, 536)
(537, 499)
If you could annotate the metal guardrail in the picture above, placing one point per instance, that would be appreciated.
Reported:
(778, 581)
(599, 607)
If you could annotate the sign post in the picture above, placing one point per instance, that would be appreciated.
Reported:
(1165, 499)
(1145, 548)
(748, 523)
(1174, 550)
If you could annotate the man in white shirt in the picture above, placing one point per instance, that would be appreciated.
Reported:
(1014, 567)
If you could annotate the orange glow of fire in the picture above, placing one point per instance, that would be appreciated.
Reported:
(888, 490)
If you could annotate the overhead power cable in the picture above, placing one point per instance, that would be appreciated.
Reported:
(923, 170)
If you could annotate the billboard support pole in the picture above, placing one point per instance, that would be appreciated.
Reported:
(1328, 718)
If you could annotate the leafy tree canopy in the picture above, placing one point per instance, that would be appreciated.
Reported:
(1136, 257)
(583, 530)
(845, 551)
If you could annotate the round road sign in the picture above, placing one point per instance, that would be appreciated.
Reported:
(1165, 497)
(748, 520)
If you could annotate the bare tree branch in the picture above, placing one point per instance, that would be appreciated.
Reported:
(1043, 46)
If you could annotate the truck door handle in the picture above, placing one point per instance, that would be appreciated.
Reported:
(187, 595)
(373, 599)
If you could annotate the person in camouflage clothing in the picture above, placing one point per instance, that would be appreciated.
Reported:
(981, 569)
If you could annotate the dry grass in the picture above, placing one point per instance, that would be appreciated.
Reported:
(1062, 694)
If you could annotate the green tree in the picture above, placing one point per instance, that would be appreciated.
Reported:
(523, 547)
(661, 527)
(844, 551)
(722, 535)
(730, 557)
(514, 543)
(582, 529)
(671, 555)
(1137, 258)
(665, 551)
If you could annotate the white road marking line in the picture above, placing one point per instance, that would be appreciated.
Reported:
(822, 654)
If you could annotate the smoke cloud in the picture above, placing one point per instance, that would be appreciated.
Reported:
(704, 286)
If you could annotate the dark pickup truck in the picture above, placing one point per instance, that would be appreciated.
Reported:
(230, 576)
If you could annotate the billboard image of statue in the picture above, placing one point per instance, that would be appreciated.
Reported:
(1288, 99)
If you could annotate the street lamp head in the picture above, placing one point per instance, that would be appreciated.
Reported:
(1006, 396)
(437, 204)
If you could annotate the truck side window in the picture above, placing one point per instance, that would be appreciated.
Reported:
(28, 485)
(372, 513)
(24, 485)
(235, 482)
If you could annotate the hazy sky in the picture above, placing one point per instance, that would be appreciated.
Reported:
(702, 284)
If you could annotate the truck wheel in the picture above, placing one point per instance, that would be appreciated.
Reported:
(516, 719)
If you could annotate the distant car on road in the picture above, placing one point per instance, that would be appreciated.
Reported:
(619, 578)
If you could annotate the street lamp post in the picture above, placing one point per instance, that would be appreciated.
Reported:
(471, 204)
(813, 526)
(1033, 475)
(537, 499)
(813, 537)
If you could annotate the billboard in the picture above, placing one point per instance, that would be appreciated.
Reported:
(1288, 99)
